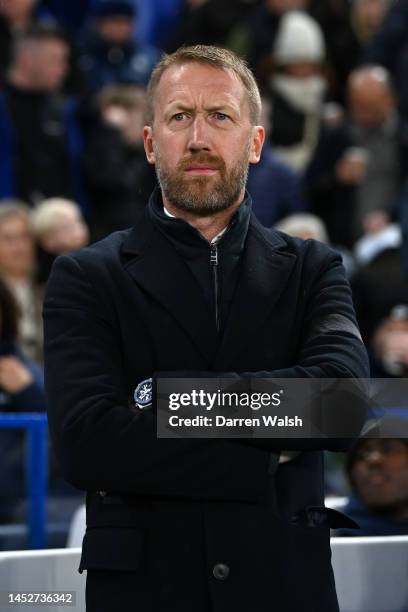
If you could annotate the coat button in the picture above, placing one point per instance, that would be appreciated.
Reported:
(221, 571)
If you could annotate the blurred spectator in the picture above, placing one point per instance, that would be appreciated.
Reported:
(390, 342)
(109, 53)
(118, 177)
(380, 292)
(17, 262)
(305, 226)
(210, 22)
(41, 142)
(326, 194)
(15, 17)
(378, 473)
(297, 89)
(308, 226)
(356, 174)
(59, 228)
(70, 15)
(342, 47)
(403, 216)
(375, 127)
(367, 17)
(389, 47)
(275, 188)
(255, 37)
(21, 390)
(158, 20)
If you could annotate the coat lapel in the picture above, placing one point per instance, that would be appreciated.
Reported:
(155, 266)
(266, 269)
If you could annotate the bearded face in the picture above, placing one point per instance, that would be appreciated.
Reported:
(203, 194)
(201, 139)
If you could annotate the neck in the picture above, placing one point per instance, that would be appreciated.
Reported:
(17, 277)
(19, 22)
(210, 226)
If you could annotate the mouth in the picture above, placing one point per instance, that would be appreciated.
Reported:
(207, 170)
(376, 480)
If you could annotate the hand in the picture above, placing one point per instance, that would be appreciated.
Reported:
(351, 168)
(14, 375)
(375, 221)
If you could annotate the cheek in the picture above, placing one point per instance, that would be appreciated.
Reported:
(399, 470)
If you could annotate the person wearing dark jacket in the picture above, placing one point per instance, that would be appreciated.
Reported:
(275, 188)
(378, 473)
(109, 52)
(390, 49)
(41, 139)
(197, 288)
(15, 17)
(117, 176)
(21, 390)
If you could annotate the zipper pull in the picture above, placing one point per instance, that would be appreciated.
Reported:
(214, 255)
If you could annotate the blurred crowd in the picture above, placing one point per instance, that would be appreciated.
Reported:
(72, 165)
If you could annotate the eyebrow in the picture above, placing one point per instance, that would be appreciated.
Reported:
(173, 104)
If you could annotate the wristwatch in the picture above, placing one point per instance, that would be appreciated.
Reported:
(143, 394)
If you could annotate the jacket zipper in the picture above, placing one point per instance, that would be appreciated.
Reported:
(214, 268)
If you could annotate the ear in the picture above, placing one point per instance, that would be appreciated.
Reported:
(148, 144)
(257, 141)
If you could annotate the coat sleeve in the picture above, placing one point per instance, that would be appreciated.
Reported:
(330, 347)
(100, 442)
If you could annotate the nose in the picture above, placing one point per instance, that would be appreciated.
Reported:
(199, 138)
(374, 457)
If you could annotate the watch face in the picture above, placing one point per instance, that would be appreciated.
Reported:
(144, 393)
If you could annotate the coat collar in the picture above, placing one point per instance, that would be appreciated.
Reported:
(267, 264)
(266, 268)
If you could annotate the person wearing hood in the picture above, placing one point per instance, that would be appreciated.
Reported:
(377, 469)
(109, 51)
(297, 88)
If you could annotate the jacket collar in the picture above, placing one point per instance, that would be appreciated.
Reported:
(267, 264)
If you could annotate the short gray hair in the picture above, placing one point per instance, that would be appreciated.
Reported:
(49, 211)
(11, 207)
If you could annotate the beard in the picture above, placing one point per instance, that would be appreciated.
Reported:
(202, 195)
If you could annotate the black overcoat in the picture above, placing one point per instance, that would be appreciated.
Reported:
(193, 525)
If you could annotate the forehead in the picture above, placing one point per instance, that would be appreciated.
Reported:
(13, 222)
(197, 84)
(47, 46)
(389, 445)
(367, 89)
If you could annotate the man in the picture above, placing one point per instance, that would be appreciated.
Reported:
(378, 473)
(109, 53)
(117, 176)
(15, 17)
(275, 188)
(41, 141)
(376, 127)
(17, 266)
(197, 288)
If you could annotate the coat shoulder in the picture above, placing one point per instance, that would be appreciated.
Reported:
(101, 255)
(308, 251)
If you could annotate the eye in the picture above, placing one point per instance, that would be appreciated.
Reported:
(221, 116)
(179, 116)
